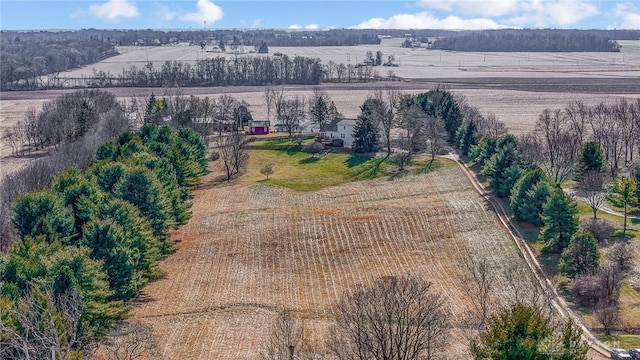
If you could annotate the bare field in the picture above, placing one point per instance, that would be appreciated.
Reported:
(253, 249)
(414, 63)
(11, 113)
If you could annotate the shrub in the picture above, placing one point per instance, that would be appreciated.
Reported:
(601, 229)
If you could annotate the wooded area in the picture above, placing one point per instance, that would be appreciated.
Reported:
(544, 40)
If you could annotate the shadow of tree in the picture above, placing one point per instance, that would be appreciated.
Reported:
(309, 160)
(357, 159)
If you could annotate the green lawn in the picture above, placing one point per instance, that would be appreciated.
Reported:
(301, 171)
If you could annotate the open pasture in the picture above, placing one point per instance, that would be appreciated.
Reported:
(252, 249)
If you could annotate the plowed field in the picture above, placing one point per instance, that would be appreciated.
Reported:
(252, 249)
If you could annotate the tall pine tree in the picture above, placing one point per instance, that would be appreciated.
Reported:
(365, 132)
(560, 221)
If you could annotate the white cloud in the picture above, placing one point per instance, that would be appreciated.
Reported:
(520, 13)
(256, 23)
(306, 27)
(207, 11)
(558, 13)
(630, 16)
(489, 8)
(425, 20)
(164, 13)
(113, 9)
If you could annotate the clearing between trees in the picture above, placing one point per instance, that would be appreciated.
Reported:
(252, 249)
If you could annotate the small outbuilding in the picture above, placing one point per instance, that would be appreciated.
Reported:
(259, 127)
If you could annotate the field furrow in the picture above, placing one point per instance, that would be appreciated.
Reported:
(250, 251)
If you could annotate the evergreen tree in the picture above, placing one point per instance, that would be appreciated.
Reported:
(137, 231)
(560, 221)
(42, 213)
(63, 269)
(149, 112)
(484, 150)
(141, 187)
(449, 111)
(581, 256)
(520, 192)
(80, 194)
(592, 156)
(466, 138)
(623, 194)
(513, 334)
(537, 197)
(503, 170)
(523, 332)
(109, 242)
(365, 132)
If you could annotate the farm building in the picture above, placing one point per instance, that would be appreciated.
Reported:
(338, 129)
(259, 127)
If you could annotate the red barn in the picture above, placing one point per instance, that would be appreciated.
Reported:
(259, 127)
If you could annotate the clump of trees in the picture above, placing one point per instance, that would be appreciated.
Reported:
(527, 40)
(68, 131)
(93, 239)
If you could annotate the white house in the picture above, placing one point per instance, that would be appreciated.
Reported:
(338, 129)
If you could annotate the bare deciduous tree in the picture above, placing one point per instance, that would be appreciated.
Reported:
(560, 147)
(608, 315)
(48, 327)
(287, 338)
(133, 340)
(232, 153)
(478, 286)
(592, 184)
(435, 134)
(290, 113)
(491, 126)
(393, 318)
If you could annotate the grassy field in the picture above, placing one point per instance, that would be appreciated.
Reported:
(253, 248)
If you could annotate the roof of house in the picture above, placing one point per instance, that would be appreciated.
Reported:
(332, 126)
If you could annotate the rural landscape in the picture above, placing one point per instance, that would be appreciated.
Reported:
(309, 194)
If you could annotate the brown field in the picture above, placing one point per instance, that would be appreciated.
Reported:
(514, 86)
(252, 249)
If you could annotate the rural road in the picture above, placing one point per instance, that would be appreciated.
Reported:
(559, 304)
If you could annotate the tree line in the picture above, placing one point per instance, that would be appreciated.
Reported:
(590, 145)
(92, 240)
(526, 40)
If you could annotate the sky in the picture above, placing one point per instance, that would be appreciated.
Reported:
(318, 15)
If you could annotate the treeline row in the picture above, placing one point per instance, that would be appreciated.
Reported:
(93, 240)
(238, 71)
(589, 145)
(531, 41)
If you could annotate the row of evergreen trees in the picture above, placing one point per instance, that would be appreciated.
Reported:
(93, 240)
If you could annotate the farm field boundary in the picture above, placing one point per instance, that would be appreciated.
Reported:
(560, 305)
